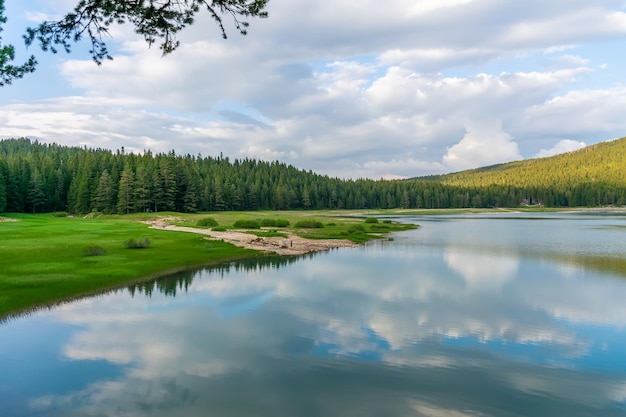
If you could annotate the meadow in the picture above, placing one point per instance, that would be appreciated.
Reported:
(50, 258)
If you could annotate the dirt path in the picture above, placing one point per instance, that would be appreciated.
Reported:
(291, 245)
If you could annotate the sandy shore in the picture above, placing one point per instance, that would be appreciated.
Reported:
(291, 245)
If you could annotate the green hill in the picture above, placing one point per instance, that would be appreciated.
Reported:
(594, 175)
(604, 162)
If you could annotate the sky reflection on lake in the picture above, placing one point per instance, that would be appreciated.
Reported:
(466, 316)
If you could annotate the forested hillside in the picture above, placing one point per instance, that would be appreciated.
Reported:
(36, 177)
(592, 176)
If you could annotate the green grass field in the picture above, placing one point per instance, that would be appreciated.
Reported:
(46, 259)
(42, 258)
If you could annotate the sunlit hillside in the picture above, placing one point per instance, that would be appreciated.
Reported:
(593, 175)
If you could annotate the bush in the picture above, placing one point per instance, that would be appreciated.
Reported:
(268, 222)
(356, 228)
(207, 222)
(59, 214)
(133, 243)
(309, 224)
(274, 222)
(371, 220)
(94, 251)
(282, 222)
(219, 229)
(387, 221)
(247, 224)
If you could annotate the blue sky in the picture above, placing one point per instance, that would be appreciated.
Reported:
(360, 89)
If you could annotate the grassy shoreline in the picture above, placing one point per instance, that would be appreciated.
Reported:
(47, 260)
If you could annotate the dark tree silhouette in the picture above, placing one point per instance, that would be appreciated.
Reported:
(158, 21)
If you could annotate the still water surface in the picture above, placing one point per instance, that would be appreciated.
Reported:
(477, 315)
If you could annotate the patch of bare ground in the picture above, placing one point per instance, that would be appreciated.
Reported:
(6, 220)
(290, 245)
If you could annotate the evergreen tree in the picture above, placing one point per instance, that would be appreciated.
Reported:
(36, 195)
(126, 192)
(60, 195)
(168, 184)
(157, 195)
(218, 197)
(306, 198)
(104, 198)
(83, 196)
(3, 193)
(143, 189)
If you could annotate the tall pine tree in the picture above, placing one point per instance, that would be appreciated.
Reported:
(126, 193)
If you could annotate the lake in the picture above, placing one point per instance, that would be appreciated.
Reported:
(469, 315)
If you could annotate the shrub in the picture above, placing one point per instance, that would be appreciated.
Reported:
(133, 243)
(219, 229)
(371, 220)
(59, 214)
(274, 222)
(94, 251)
(356, 228)
(309, 224)
(268, 222)
(331, 224)
(282, 222)
(387, 221)
(247, 224)
(207, 222)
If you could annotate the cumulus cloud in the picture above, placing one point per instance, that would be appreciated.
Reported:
(483, 144)
(406, 89)
(562, 146)
(580, 113)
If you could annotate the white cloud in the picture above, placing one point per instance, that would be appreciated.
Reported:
(422, 7)
(335, 126)
(572, 61)
(566, 27)
(563, 146)
(391, 94)
(483, 144)
(579, 113)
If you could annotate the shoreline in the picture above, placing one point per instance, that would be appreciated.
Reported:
(290, 245)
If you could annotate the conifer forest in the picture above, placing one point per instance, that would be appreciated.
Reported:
(37, 177)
